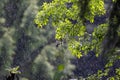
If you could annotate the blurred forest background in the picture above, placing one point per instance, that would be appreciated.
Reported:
(35, 50)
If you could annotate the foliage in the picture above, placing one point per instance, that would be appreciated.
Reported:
(33, 50)
(22, 43)
(69, 18)
(14, 70)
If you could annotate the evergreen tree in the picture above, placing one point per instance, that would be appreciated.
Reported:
(22, 43)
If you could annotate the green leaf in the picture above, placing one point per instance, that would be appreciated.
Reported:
(60, 67)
